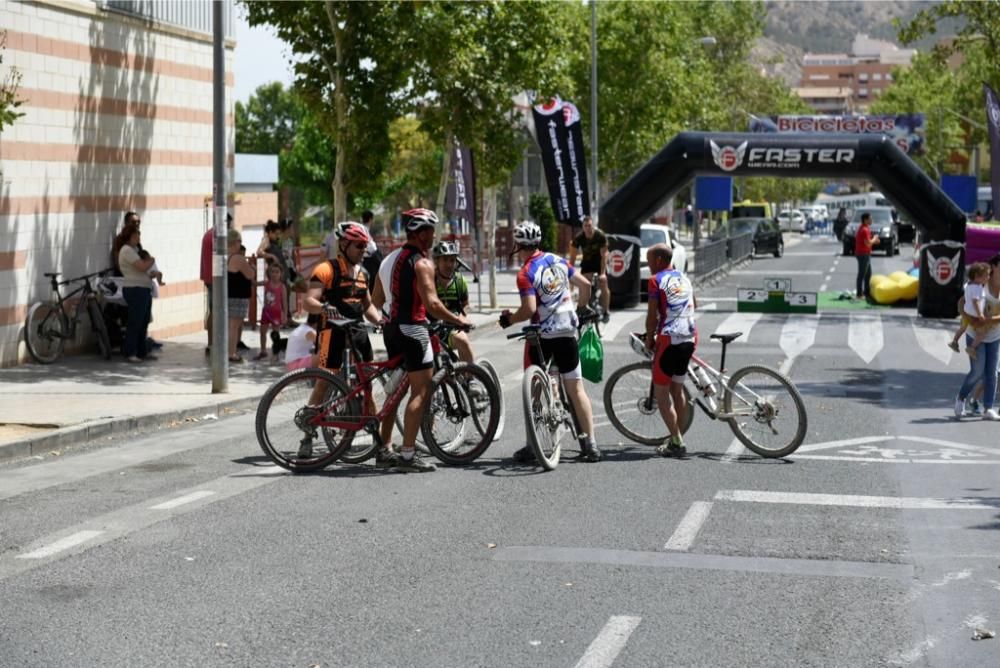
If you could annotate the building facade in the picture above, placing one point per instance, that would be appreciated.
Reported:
(849, 82)
(117, 98)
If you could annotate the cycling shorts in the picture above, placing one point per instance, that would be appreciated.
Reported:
(670, 363)
(563, 350)
(331, 343)
(588, 268)
(413, 342)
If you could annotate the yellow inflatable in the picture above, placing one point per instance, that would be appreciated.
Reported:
(894, 287)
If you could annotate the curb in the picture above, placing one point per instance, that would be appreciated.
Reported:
(119, 426)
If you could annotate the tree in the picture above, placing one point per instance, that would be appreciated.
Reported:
(540, 208)
(354, 64)
(9, 101)
(267, 122)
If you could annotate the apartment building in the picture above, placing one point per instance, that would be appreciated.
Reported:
(118, 116)
(837, 83)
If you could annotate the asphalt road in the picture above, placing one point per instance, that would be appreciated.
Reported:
(874, 545)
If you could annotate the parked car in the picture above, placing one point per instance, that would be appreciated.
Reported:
(650, 235)
(792, 220)
(883, 225)
(767, 236)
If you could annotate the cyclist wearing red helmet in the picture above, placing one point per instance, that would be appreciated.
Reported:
(405, 292)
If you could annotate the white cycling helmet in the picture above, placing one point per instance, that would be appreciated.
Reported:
(417, 219)
(527, 234)
(444, 249)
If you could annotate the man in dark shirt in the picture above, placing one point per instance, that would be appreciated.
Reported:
(592, 245)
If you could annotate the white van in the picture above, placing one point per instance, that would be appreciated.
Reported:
(816, 213)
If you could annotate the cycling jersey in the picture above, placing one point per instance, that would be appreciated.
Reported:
(455, 295)
(398, 272)
(344, 286)
(675, 303)
(546, 277)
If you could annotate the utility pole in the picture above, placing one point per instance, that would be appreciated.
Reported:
(220, 320)
(596, 189)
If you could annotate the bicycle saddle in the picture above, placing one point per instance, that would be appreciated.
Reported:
(56, 275)
(727, 338)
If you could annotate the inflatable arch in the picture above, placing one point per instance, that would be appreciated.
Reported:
(876, 157)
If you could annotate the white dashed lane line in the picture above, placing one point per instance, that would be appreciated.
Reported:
(605, 648)
(78, 538)
(684, 535)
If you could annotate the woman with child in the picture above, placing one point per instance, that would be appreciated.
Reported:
(984, 339)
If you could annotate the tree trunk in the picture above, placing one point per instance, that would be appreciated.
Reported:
(340, 108)
(449, 146)
(490, 216)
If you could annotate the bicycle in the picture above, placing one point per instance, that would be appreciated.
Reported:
(594, 303)
(547, 421)
(444, 354)
(288, 418)
(48, 326)
(752, 400)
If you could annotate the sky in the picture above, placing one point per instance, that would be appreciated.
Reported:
(260, 58)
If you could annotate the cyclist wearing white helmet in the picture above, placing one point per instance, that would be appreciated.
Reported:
(453, 291)
(404, 291)
(544, 283)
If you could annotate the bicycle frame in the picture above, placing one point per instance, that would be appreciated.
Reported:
(72, 305)
(721, 380)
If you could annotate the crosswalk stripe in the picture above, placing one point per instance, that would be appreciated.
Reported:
(864, 335)
(798, 334)
(739, 322)
(933, 341)
(618, 321)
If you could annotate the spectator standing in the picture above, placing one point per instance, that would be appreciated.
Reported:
(137, 290)
(592, 245)
(983, 367)
(275, 305)
(863, 243)
(239, 277)
(207, 250)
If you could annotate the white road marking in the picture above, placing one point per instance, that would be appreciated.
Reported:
(786, 367)
(181, 500)
(827, 278)
(618, 321)
(609, 642)
(700, 311)
(852, 500)
(822, 288)
(739, 322)
(62, 544)
(864, 335)
(903, 460)
(934, 341)
(772, 272)
(683, 537)
(797, 335)
(867, 440)
(847, 441)
(734, 451)
(915, 654)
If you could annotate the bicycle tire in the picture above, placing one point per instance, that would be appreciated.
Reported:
(364, 445)
(771, 406)
(281, 416)
(543, 418)
(474, 391)
(501, 407)
(100, 328)
(633, 397)
(44, 330)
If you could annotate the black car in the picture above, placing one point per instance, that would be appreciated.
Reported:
(883, 226)
(767, 237)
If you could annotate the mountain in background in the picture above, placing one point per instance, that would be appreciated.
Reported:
(794, 28)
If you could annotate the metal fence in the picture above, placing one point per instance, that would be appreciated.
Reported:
(739, 247)
(710, 258)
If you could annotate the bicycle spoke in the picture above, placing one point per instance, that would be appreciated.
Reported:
(770, 418)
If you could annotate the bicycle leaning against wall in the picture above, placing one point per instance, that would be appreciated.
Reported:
(50, 323)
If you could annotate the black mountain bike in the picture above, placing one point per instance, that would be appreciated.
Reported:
(50, 323)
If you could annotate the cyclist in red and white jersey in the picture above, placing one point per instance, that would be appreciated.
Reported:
(405, 291)
(546, 298)
(671, 333)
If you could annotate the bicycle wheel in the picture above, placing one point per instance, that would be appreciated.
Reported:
(100, 328)
(545, 419)
(364, 445)
(462, 398)
(631, 408)
(501, 408)
(45, 329)
(762, 400)
(285, 429)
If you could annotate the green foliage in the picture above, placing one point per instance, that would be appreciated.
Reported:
(307, 164)
(540, 208)
(267, 122)
(9, 101)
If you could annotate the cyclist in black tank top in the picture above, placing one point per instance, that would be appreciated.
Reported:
(405, 292)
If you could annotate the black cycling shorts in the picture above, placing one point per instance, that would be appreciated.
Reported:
(588, 268)
(564, 351)
(672, 360)
(413, 342)
(331, 344)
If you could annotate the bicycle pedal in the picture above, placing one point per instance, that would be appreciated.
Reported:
(372, 426)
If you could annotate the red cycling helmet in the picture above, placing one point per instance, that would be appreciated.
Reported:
(351, 231)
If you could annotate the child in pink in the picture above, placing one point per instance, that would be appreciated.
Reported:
(273, 313)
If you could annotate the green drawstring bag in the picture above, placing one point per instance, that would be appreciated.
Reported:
(592, 355)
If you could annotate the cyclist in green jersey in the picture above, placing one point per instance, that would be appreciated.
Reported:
(453, 291)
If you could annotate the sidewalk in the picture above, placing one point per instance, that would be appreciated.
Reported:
(82, 398)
